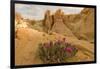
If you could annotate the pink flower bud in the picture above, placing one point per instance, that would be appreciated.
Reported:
(69, 49)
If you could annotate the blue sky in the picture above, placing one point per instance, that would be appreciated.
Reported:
(31, 11)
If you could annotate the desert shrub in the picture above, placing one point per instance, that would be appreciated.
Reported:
(56, 52)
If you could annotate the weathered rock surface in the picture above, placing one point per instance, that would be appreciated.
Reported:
(19, 21)
(82, 24)
(59, 26)
(56, 24)
(74, 25)
(48, 21)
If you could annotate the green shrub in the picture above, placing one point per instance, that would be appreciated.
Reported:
(56, 52)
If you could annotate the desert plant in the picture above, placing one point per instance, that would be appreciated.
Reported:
(56, 52)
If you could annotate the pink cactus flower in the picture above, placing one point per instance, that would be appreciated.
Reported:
(69, 49)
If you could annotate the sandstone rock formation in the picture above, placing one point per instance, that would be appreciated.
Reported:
(59, 26)
(19, 21)
(56, 24)
(48, 21)
(79, 25)
(82, 24)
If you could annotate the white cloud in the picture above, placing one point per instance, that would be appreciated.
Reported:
(37, 11)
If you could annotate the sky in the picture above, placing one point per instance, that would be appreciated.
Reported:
(31, 11)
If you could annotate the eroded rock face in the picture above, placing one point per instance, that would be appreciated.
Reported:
(59, 26)
(58, 16)
(87, 26)
(82, 24)
(75, 25)
(55, 23)
(19, 21)
(47, 21)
